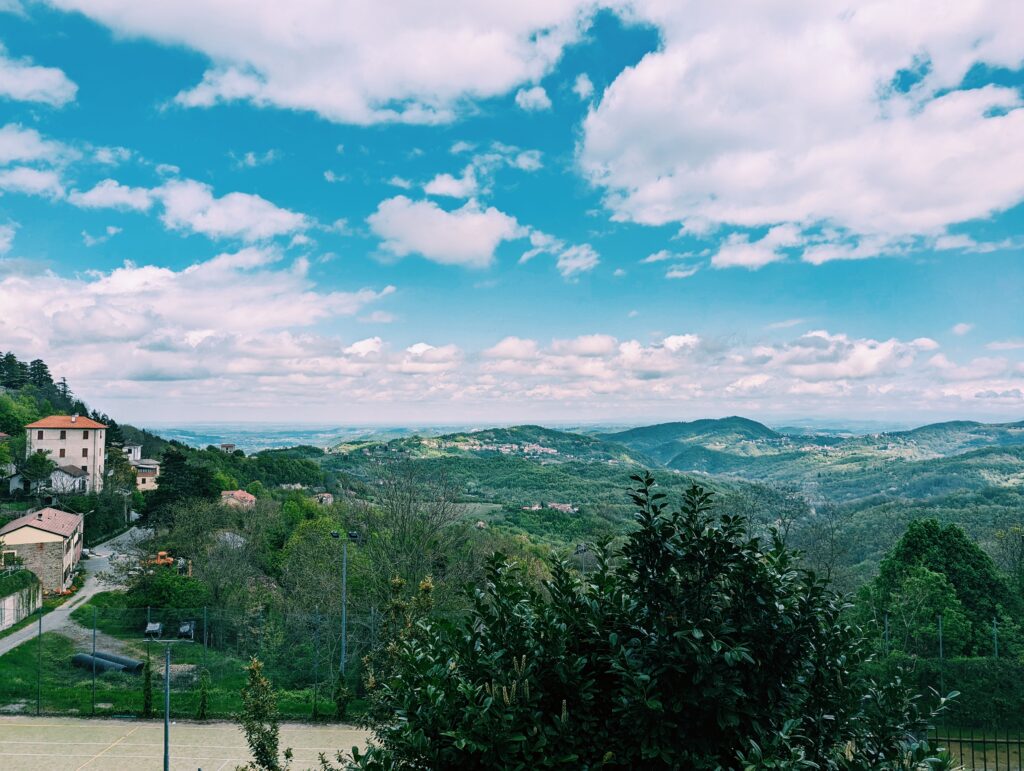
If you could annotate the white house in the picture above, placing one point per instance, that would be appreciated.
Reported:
(71, 440)
(69, 479)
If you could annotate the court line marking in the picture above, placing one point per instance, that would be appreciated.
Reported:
(125, 736)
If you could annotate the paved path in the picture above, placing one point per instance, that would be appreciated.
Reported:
(60, 618)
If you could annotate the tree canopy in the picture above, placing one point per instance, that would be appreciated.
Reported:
(693, 646)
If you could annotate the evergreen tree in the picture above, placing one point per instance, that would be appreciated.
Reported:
(949, 551)
(39, 374)
(181, 481)
(261, 722)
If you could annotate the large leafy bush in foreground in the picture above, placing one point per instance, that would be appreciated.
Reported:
(693, 646)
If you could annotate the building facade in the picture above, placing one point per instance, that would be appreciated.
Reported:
(69, 480)
(49, 543)
(71, 440)
(147, 470)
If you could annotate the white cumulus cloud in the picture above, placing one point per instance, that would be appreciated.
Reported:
(533, 99)
(24, 81)
(467, 236)
(362, 62)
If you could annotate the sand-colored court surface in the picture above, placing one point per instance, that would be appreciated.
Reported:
(69, 744)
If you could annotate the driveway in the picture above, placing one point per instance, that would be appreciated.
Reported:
(59, 619)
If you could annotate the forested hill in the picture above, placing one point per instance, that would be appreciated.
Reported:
(535, 442)
(750, 450)
(29, 392)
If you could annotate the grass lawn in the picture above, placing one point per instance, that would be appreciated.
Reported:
(68, 690)
(65, 689)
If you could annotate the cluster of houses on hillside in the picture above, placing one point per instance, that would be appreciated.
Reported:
(49, 541)
(77, 445)
(505, 448)
(565, 508)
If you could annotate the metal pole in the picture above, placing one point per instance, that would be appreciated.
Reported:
(167, 708)
(886, 634)
(344, 603)
(316, 660)
(205, 635)
(94, 659)
(39, 664)
(942, 668)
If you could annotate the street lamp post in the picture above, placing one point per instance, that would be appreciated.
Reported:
(352, 535)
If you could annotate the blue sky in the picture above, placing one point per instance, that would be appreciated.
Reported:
(571, 211)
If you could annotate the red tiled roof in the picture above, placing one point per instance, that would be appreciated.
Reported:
(48, 520)
(239, 495)
(65, 421)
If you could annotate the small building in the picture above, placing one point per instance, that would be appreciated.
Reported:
(324, 499)
(49, 543)
(69, 480)
(147, 474)
(238, 499)
(147, 470)
(227, 447)
(71, 440)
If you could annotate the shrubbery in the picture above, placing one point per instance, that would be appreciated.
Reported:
(693, 646)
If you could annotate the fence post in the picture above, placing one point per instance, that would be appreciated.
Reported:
(94, 659)
(316, 660)
(39, 664)
(167, 707)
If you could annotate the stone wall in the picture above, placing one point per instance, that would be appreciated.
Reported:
(46, 560)
(19, 605)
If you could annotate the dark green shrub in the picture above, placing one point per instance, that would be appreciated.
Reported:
(692, 647)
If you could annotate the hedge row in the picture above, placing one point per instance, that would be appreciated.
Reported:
(15, 582)
(991, 690)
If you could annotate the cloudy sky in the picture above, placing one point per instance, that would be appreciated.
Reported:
(389, 210)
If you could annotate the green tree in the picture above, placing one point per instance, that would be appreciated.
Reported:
(181, 481)
(37, 468)
(693, 646)
(260, 721)
(949, 551)
(202, 711)
(147, 688)
(39, 374)
(164, 587)
(914, 608)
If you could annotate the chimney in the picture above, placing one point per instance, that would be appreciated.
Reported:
(39, 515)
(74, 417)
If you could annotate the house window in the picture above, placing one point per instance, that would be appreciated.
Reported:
(85, 468)
(39, 434)
(85, 452)
(85, 434)
(62, 451)
(63, 434)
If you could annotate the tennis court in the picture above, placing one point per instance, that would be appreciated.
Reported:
(69, 744)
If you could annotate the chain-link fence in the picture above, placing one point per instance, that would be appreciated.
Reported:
(96, 663)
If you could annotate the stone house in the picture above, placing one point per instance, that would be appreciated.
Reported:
(49, 543)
